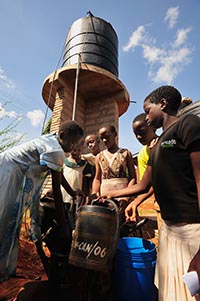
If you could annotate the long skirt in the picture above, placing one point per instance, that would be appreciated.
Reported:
(178, 243)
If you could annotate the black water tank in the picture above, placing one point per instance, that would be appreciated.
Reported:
(96, 41)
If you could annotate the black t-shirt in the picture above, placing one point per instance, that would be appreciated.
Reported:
(172, 174)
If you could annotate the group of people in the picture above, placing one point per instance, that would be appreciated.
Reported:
(173, 170)
(168, 171)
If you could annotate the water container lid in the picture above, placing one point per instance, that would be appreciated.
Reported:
(135, 245)
(95, 19)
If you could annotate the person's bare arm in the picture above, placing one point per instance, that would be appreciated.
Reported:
(141, 187)
(63, 231)
(132, 209)
(67, 187)
(131, 168)
(59, 207)
(195, 159)
(137, 201)
(96, 184)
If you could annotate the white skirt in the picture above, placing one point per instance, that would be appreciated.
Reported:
(178, 243)
(114, 184)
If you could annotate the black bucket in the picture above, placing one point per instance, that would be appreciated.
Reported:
(95, 236)
(95, 40)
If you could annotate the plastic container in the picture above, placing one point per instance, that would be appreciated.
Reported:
(134, 270)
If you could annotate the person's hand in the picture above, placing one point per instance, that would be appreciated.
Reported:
(101, 200)
(104, 197)
(95, 197)
(107, 195)
(195, 264)
(153, 143)
(79, 198)
(79, 193)
(130, 213)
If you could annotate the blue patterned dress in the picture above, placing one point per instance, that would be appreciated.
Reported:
(23, 170)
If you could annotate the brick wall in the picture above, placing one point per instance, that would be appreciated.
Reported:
(90, 114)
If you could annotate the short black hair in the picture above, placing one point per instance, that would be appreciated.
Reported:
(170, 93)
(71, 128)
(111, 128)
(140, 117)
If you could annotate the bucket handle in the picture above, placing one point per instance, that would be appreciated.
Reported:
(105, 203)
(117, 230)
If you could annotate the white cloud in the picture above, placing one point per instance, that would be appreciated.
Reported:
(152, 54)
(172, 16)
(36, 117)
(5, 80)
(137, 38)
(181, 36)
(170, 65)
(4, 113)
(166, 61)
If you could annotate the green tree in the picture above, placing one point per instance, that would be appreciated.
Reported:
(47, 127)
(9, 136)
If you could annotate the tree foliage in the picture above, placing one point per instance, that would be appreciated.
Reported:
(47, 127)
(9, 136)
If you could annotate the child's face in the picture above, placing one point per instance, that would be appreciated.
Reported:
(92, 144)
(154, 114)
(143, 132)
(107, 137)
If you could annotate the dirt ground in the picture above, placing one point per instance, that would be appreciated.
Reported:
(30, 269)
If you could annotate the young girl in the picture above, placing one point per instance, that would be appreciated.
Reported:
(114, 166)
(23, 171)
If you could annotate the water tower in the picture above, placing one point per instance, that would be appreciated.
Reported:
(86, 88)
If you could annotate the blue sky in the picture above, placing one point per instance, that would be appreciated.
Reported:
(159, 43)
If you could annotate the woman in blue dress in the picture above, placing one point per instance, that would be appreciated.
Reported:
(22, 174)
